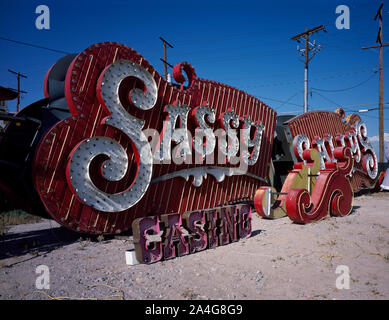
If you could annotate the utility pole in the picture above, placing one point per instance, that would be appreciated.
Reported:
(164, 60)
(308, 47)
(380, 84)
(18, 75)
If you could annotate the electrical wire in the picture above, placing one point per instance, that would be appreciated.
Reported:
(34, 45)
(276, 100)
(363, 111)
(352, 106)
(333, 102)
(267, 85)
(218, 58)
(290, 98)
(276, 84)
(290, 112)
(349, 88)
(373, 117)
(337, 104)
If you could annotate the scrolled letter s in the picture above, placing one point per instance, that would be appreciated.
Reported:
(116, 166)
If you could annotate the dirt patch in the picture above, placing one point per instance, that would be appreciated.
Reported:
(281, 260)
(15, 217)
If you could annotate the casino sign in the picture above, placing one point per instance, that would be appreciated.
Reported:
(114, 146)
(116, 142)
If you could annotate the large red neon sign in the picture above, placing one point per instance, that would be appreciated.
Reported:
(325, 131)
(137, 145)
(130, 145)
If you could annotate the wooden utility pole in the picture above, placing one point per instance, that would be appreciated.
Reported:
(18, 75)
(164, 60)
(380, 84)
(308, 47)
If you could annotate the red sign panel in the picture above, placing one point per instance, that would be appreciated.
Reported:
(137, 145)
(325, 131)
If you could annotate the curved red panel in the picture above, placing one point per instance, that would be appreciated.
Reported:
(88, 120)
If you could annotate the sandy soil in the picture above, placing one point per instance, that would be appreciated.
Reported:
(281, 260)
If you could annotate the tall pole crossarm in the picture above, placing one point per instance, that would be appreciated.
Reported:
(381, 92)
(165, 43)
(306, 72)
(380, 46)
(18, 75)
(306, 35)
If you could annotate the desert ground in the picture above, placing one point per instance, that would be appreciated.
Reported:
(281, 260)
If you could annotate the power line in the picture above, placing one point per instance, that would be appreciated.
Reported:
(239, 48)
(290, 112)
(373, 117)
(326, 75)
(290, 98)
(276, 100)
(348, 107)
(349, 88)
(339, 105)
(348, 74)
(345, 107)
(367, 110)
(34, 45)
(223, 59)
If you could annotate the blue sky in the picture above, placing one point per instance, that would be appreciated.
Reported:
(245, 44)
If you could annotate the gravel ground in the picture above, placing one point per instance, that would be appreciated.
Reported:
(281, 260)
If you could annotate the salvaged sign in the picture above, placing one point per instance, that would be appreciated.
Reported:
(172, 235)
(112, 142)
(272, 204)
(325, 131)
(330, 193)
(318, 135)
(136, 145)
